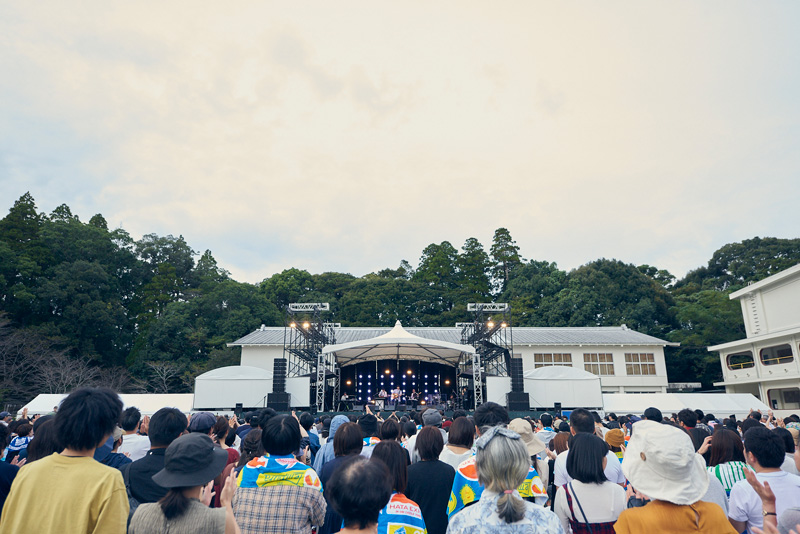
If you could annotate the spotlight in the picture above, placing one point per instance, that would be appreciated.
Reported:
(349, 383)
(503, 325)
(446, 382)
(292, 325)
(490, 324)
(408, 372)
(387, 371)
(306, 325)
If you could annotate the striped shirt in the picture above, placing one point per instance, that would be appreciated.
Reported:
(729, 474)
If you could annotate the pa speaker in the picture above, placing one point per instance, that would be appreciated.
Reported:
(278, 401)
(518, 401)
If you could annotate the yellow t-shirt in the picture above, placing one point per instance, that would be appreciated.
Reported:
(66, 495)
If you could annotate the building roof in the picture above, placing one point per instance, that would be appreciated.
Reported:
(523, 335)
(768, 281)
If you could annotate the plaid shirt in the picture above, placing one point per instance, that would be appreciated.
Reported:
(278, 509)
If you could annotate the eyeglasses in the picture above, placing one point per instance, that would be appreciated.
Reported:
(487, 436)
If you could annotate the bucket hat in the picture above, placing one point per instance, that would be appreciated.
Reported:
(661, 463)
(191, 460)
(523, 428)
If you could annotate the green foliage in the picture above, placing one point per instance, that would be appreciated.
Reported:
(149, 315)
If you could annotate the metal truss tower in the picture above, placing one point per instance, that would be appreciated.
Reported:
(305, 335)
(490, 334)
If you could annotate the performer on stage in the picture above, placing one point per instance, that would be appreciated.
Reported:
(345, 403)
(413, 397)
(382, 394)
(396, 394)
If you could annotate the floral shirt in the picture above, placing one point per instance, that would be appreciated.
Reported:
(482, 518)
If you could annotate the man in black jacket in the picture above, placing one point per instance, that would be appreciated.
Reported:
(165, 427)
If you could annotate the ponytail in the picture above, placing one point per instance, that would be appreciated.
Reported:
(510, 508)
(174, 503)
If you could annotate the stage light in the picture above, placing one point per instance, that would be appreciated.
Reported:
(387, 371)
(292, 325)
(503, 325)
(360, 376)
(490, 324)
(426, 376)
(306, 325)
(422, 403)
(446, 382)
(408, 372)
(349, 383)
(392, 376)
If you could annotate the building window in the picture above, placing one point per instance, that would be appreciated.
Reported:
(777, 354)
(640, 364)
(549, 360)
(599, 363)
(784, 399)
(740, 360)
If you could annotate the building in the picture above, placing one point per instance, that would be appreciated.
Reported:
(625, 360)
(765, 363)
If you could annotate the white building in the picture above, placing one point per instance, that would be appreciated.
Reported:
(766, 363)
(625, 360)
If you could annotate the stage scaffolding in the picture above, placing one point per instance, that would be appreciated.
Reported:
(305, 335)
(490, 334)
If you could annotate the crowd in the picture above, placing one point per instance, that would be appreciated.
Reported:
(93, 467)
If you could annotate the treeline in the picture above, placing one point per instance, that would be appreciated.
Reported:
(83, 304)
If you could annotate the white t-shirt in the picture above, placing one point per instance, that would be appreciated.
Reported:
(745, 505)
(788, 465)
(613, 470)
(134, 446)
(602, 503)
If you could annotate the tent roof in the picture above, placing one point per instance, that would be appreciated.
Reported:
(559, 372)
(148, 403)
(719, 404)
(236, 372)
(400, 344)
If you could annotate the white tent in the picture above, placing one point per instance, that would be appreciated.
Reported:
(398, 343)
(225, 387)
(572, 387)
(719, 404)
(148, 403)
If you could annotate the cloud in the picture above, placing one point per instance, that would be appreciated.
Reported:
(348, 137)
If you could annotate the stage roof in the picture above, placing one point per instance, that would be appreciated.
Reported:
(399, 344)
(522, 335)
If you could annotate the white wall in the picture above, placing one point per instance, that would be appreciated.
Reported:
(261, 356)
(496, 389)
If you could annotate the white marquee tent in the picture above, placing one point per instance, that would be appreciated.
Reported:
(225, 387)
(148, 403)
(572, 387)
(719, 404)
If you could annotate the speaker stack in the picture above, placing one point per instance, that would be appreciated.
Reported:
(279, 375)
(517, 400)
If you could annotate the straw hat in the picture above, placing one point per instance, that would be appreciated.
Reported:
(523, 428)
(661, 463)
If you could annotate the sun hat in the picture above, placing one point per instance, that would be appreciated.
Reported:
(661, 463)
(191, 460)
(615, 437)
(523, 428)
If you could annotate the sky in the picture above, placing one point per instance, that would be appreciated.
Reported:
(347, 136)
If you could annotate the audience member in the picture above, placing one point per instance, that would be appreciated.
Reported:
(346, 443)
(581, 421)
(134, 445)
(360, 509)
(277, 493)
(726, 459)
(430, 480)
(590, 498)
(459, 442)
(190, 464)
(502, 464)
(70, 490)
(400, 513)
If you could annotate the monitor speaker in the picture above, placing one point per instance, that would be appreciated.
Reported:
(278, 401)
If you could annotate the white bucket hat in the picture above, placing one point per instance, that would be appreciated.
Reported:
(661, 463)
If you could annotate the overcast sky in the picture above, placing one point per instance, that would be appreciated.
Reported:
(347, 136)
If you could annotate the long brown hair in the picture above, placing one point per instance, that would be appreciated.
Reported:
(726, 446)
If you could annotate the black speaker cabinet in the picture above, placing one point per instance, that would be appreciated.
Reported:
(518, 401)
(278, 401)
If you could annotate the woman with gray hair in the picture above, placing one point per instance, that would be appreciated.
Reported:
(502, 464)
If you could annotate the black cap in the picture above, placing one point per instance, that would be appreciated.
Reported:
(191, 460)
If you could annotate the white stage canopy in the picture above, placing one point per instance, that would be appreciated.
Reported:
(721, 405)
(572, 387)
(398, 344)
(148, 403)
(225, 387)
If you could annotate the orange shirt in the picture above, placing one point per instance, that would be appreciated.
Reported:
(661, 517)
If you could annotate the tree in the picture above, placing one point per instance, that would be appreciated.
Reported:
(505, 254)
(473, 271)
(662, 276)
(531, 290)
(292, 285)
(437, 266)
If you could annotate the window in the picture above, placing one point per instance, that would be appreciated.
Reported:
(599, 363)
(549, 360)
(639, 364)
(740, 360)
(777, 354)
(784, 399)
